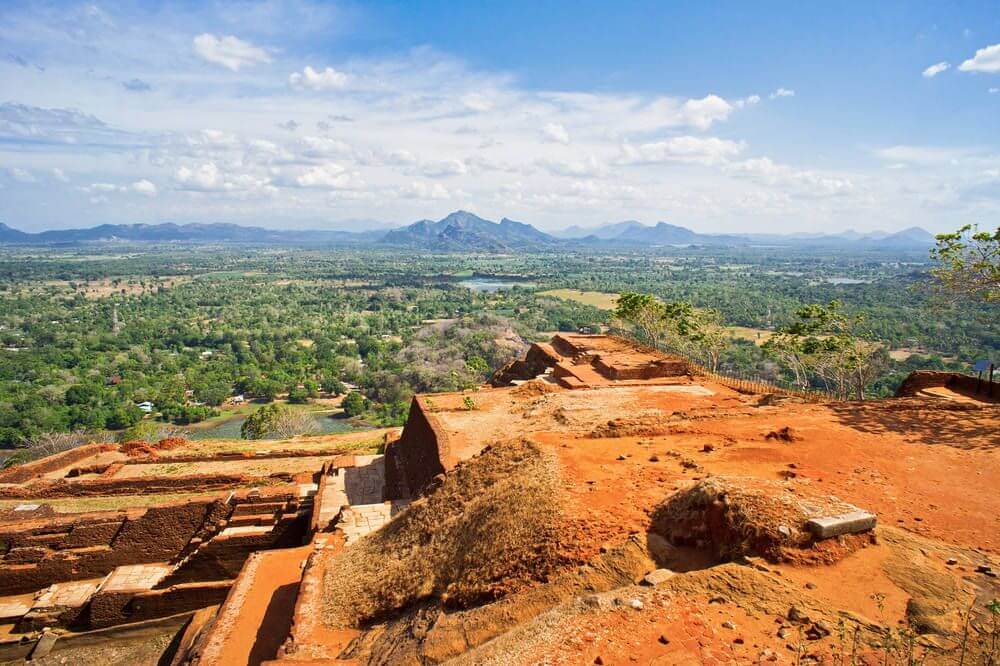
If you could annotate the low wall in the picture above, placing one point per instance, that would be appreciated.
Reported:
(114, 608)
(923, 379)
(30, 470)
(422, 452)
(91, 545)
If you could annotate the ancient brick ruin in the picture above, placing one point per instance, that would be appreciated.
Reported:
(666, 482)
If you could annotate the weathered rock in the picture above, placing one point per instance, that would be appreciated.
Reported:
(658, 576)
(848, 523)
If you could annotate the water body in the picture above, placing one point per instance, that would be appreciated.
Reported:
(230, 428)
(845, 280)
(489, 285)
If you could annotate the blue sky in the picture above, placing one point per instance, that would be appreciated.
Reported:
(718, 116)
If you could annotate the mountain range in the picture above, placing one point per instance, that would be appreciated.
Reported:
(464, 231)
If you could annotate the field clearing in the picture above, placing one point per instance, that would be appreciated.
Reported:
(757, 335)
(605, 301)
(362, 440)
(109, 503)
(249, 466)
(598, 299)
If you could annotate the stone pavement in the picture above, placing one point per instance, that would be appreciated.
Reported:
(345, 486)
(135, 577)
(361, 519)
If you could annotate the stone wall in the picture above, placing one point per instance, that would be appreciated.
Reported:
(30, 470)
(421, 453)
(923, 379)
(83, 546)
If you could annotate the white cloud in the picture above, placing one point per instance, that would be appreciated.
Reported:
(229, 52)
(926, 155)
(477, 102)
(59, 175)
(986, 60)
(21, 175)
(994, 91)
(144, 187)
(327, 79)
(703, 150)
(935, 69)
(421, 190)
(445, 168)
(782, 92)
(701, 113)
(747, 101)
(806, 182)
(590, 167)
(208, 177)
(329, 176)
(320, 146)
(555, 132)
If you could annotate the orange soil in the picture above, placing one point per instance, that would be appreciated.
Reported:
(917, 468)
(264, 617)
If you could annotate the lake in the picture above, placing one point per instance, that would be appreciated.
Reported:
(230, 428)
(487, 284)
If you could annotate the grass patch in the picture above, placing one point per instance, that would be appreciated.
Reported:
(597, 299)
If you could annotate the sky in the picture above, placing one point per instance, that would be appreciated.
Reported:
(719, 116)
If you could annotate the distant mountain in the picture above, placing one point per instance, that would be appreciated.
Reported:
(463, 230)
(660, 234)
(910, 237)
(189, 233)
(603, 232)
(11, 235)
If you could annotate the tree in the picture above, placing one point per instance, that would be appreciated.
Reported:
(277, 420)
(684, 328)
(645, 313)
(298, 395)
(969, 263)
(354, 404)
(833, 346)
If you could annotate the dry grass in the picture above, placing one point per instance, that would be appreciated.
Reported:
(493, 527)
(598, 299)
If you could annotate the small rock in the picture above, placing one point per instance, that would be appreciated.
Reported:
(663, 640)
(729, 624)
(738, 640)
(657, 576)
(592, 600)
(797, 616)
(810, 586)
(983, 568)
(717, 600)
(654, 458)
(620, 458)
(822, 627)
(636, 604)
(784, 632)
(783, 529)
(951, 561)
(708, 448)
(598, 660)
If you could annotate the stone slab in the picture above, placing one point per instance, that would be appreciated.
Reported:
(12, 608)
(848, 523)
(136, 577)
(44, 645)
(74, 594)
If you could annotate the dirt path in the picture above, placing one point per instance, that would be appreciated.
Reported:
(264, 617)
